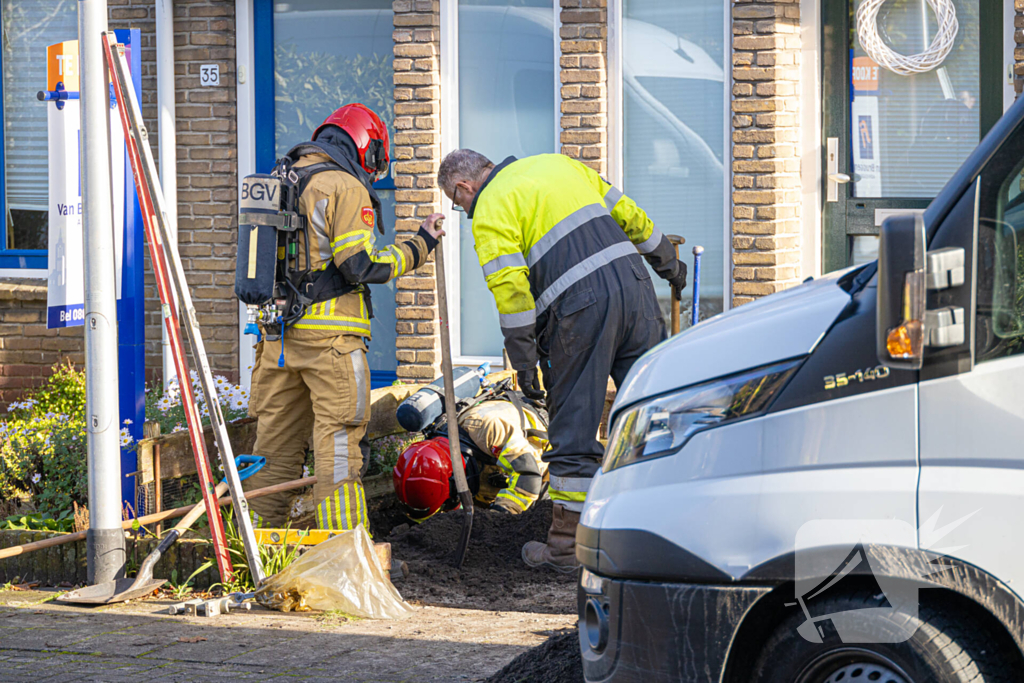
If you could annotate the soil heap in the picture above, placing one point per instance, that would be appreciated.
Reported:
(555, 661)
(494, 576)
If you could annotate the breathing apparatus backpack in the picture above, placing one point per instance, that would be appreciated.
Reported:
(269, 278)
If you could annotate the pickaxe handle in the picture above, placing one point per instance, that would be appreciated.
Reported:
(676, 240)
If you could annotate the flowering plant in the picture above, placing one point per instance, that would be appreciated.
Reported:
(168, 410)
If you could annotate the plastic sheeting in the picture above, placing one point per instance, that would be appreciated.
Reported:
(342, 573)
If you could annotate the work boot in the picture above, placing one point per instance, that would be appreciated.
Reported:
(559, 553)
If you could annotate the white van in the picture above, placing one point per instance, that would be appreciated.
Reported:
(828, 484)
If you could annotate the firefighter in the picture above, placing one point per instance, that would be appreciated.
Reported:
(501, 441)
(561, 251)
(314, 377)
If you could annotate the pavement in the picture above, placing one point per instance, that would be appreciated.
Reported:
(44, 641)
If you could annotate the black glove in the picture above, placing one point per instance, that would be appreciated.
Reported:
(529, 383)
(494, 507)
(678, 281)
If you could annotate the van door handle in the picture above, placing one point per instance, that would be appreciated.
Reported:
(841, 178)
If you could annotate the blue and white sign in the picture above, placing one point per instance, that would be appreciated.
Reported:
(65, 296)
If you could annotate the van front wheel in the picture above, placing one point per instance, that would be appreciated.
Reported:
(944, 648)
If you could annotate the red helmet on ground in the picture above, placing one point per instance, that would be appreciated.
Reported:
(367, 131)
(422, 478)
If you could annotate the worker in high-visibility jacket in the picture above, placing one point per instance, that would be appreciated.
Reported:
(319, 381)
(561, 252)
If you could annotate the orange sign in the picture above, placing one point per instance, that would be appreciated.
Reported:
(62, 65)
(865, 74)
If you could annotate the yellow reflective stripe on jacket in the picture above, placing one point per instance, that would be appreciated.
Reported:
(523, 503)
(349, 239)
(390, 254)
(578, 496)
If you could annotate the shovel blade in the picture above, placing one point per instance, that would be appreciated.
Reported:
(118, 590)
(467, 529)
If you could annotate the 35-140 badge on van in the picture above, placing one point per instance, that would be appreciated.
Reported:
(842, 379)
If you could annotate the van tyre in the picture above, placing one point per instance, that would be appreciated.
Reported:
(947, 647)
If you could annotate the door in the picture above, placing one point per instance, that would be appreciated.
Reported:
(311, 57)
(893, 140)
(972, 413)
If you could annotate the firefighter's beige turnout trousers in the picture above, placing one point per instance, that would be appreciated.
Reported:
(324, 387)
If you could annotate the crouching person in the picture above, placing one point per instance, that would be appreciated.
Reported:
(501, 440)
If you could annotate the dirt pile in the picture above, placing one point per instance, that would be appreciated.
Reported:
(494, 576)
(555, 661)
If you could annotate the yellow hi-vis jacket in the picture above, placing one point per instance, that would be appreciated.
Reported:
(543, 223)
(340, 220)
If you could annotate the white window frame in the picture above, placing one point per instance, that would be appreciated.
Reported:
(449, 54)
(616, 129)
(246, 138)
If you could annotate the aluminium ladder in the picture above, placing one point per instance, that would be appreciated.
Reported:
(171, 284)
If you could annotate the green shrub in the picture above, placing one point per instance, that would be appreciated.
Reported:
(43, 447)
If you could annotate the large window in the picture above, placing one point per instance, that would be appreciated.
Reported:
(506, 107)
(673, 128)
(328, 53)
(28, 27)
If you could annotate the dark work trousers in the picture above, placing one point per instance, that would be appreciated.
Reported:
(597, 328)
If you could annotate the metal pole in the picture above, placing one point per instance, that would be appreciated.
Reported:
(104, 539)
(167, 145)
(695, 311)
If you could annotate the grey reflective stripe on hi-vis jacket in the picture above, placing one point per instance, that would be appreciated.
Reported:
(651, 243)
(581, 270)
(504, 261)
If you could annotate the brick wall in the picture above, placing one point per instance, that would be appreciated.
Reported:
(584, 78)
(417, 150)
(207, 208)
(765, 152)
(27, 349)
(204, 33)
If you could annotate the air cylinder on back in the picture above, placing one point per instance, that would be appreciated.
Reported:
(256, 265)
(426, 405)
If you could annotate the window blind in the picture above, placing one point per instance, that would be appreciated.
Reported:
(28, 27)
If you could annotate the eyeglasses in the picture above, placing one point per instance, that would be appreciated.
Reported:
(455, 201)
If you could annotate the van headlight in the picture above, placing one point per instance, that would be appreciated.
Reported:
(663, 425)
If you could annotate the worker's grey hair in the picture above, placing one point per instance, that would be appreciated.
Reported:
(460, 166)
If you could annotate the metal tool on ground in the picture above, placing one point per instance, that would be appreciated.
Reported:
(170, 274)
(120, 590)
(213, 607)
(676, 240)
(461, 485)
(697, 251)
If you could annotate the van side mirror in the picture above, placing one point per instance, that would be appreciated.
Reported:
(900, 328)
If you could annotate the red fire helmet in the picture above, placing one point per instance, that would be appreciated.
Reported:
(422, 478)
(367, 131)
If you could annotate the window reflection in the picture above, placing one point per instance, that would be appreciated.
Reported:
(506, 107)
(674, 138)
(327, 54)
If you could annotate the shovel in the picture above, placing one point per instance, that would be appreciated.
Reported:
(461, 485)
(120, 590)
